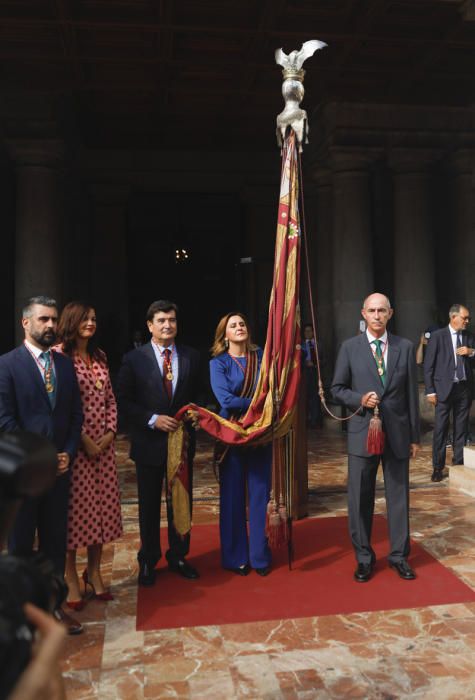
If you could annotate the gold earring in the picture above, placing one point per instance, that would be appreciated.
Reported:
(226, 343)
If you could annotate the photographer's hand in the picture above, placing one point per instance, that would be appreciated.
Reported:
(63, 463)
(42, 678)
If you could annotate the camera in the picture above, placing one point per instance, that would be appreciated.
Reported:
(28, 465)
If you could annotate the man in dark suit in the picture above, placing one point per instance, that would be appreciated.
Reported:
(449, 385)
(373, 369)
(156, 380)
(39, 393)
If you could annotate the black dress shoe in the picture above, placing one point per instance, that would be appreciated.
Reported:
(363, 572)
(403, 569)
(263, 571)
(183, 568)
(147, 575)
(437, 475)
(241, 570)
(70, 623)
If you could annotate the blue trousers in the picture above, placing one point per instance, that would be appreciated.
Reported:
(241, 466)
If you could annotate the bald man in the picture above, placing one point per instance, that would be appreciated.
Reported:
(373, 369)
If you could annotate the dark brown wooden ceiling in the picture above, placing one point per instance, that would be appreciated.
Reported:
(188, 73)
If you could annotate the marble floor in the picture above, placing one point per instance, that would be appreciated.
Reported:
(413, 653)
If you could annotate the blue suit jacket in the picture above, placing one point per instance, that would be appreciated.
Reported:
(24, 403)
(439, 363)
(356, 374)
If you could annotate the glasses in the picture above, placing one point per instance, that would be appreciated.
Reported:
(465, 318)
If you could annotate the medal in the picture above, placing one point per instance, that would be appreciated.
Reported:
(380, 371)
(49, 387)
(169, 376)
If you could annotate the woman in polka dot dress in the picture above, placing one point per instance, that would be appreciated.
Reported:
(94, 501)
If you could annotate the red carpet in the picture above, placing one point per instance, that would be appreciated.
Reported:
(321, 582)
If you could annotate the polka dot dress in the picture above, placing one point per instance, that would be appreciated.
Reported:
(94, 500)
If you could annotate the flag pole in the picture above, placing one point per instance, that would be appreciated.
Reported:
(292, 123)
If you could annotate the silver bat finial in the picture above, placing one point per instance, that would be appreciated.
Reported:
(293, 91)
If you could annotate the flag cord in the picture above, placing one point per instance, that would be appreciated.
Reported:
(321, 391)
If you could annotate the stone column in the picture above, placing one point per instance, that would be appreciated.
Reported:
(353, 277)
(462, 237)
(320, 239)
(38, 241)
(109, 269)
(415, 300)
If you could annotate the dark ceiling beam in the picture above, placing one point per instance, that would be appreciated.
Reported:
(210, 87)
(288, 34)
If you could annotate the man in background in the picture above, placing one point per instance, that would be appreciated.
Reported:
(449, 385)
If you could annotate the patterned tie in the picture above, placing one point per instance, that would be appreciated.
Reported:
(459, 368)
(49, 376)
(380, 361)
(167, 382)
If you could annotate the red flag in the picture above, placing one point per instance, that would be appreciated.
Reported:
(270, 414)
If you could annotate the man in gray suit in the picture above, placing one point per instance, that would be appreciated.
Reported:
(373, 369)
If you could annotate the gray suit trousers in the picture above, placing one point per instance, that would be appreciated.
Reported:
(362, 473)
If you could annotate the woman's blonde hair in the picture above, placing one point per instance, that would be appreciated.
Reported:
(219, 345)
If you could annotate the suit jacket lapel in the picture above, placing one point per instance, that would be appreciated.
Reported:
(183, 372)
(149, 353)
(58, 371)
(35, 375)
(371, 363)
(450, 348)
(393, 359)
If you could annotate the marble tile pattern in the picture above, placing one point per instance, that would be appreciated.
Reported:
(412, 653)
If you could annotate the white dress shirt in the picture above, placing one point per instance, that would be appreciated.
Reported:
(384, 346)
(159, 351)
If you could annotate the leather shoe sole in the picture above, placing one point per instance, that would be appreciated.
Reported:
(403, 570)
(72, 626)
(363, 573)
(184, 569)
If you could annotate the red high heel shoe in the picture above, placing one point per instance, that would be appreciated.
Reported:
(107, 595)
(76, 605)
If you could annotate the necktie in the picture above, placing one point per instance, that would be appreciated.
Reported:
(49, 376)
(459, 368)
(380, 361)
(167, 374)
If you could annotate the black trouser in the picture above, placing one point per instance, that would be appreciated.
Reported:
(47, 515)
(149, 487)
(361, 493)
(458, 401)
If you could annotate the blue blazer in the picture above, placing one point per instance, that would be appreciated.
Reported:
(24, 403)
(439, 363)
(227, 379)
(356, 374)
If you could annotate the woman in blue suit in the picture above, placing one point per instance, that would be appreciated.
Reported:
(234, 370)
